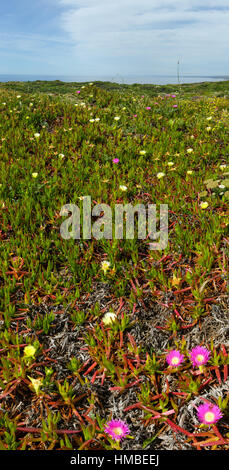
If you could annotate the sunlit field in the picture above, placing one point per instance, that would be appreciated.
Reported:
(106, 344)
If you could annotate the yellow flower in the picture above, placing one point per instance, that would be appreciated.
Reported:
(105, 266)
(142, 152)
(36, 384)
(109, 318)
(29, 351)
(34, 175)
(160, 175)
(189, 172)
(204, 205)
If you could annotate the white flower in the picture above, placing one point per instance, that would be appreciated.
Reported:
(109, 318)
(221, 186)
(97, 119)
(34, 175)
(160, 175)
(18, 96)
(189, 150)
(209, 118)
(222, 167)
(91, 83)
(142, 152)
(123, 188)
(208, 128)
(37, 135)
(116, 118)
(189, 172)
(91, 120)
(105, 266)
(170, 163)
(61, 155)
(82, 87)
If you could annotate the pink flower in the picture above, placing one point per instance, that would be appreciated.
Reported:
(199, 356)
(135, 115)
(78, 91)
(208, 413)
(117, 429)
(175, 106)
(174, 358)
(173, 96)
(115, 160)
(148, 107)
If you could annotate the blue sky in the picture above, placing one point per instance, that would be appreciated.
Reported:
(110, 37)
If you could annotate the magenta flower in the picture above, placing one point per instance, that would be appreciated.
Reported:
(117, 429)
(173, 96)
(78, 91)
(135, 115)
(175, 106)
(174, 358)
(208, 413)
(199, 356)
(148, 107)
(115, 160)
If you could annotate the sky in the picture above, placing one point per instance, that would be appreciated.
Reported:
(114, 37)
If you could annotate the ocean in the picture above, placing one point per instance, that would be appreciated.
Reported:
(128, 79)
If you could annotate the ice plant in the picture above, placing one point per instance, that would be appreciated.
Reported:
(174, 358)
(199, 356)
(204, 205)
(160, 175)
(116, 429)
(208, 413)
(105, 266)
(123, 188)
(109, 318)
(36, 384)
(29, 351)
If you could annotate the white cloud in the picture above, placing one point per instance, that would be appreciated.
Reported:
(147, 36)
